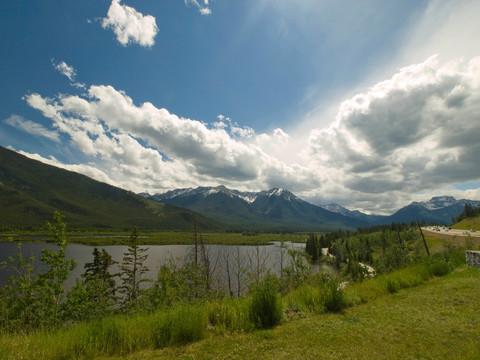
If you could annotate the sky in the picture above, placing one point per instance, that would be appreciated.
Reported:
(369, 104)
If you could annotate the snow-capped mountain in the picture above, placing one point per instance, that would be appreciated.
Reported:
(439, 202)
(442, 202)
(439, 209)
(280, 208)
(274, 208)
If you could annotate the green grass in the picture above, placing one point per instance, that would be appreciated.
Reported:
(438, 319)
(163, 238)
(115, 335)
(467, 224)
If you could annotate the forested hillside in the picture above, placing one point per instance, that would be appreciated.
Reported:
(31, 191)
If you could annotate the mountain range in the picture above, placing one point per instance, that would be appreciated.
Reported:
(274, 209)
(30, 191)
(277, 208)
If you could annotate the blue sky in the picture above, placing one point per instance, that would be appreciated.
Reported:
(369, 104)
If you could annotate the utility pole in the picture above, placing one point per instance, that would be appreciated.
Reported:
(423, 237)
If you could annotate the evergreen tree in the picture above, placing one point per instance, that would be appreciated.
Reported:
(99, 270)
(94, 295)
(132, 270)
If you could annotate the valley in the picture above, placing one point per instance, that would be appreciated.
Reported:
(31, 191)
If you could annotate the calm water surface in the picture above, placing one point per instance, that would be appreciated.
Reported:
(272, 256)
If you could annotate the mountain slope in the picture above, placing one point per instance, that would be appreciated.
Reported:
(31, 191)
(439, 209)
(274, 209)
(355, 214)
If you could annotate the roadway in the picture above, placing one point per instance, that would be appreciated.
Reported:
(441, 230)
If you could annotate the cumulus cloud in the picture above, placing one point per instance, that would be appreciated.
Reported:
(203, 9)
(155, 149)
(233, 128)
(415, 131)
(31, 127)
(129, 25)
(69, 72)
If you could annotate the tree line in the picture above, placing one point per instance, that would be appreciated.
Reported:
(384, 248)
(469, 211)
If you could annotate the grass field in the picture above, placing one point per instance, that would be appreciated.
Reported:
(436, 320)
(166, 238)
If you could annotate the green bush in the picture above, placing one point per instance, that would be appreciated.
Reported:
(307, 298)
(265, 307)
(334, 297)
(320, 293)
(438, 268)
(189, 324)
(229, 315)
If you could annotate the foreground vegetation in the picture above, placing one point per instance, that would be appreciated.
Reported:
(436, 319)
(184, 304)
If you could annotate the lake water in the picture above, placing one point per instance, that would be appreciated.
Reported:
(272, 257)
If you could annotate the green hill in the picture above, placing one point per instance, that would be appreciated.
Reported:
(469, 223)
(30, 191)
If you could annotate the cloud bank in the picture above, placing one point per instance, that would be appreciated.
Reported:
(417, 131)
(148, 148)
(130, 26)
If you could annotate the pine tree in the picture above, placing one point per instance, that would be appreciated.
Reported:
(99, 269)
(132, 270)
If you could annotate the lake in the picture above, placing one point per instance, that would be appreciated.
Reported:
(272, 257)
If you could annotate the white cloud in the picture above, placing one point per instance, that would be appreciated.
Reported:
(131, 142)
(416, 131)
(69, 72)
(405, 138)
(31, 127)
(130, 26)
(85, 169)
(64, 69)
(203, 9)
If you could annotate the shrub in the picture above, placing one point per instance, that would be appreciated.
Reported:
(307, 298)
(265, 307)
(230, 314)
(189, 324)
(334, 298)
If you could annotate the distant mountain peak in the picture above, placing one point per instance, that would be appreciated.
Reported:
(439, 202)
(334, 207)
(280, 193)
(276, 191)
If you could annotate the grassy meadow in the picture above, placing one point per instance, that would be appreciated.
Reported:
(163, 238)
(438, 319)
